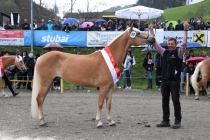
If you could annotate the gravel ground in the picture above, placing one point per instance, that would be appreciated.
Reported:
(71, 116)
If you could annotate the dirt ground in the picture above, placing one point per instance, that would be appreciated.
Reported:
(71, 116)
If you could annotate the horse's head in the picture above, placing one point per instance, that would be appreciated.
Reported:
(19, 63)
(139, 38)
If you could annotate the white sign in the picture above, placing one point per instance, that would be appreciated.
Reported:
(101, 38)
(193, 36)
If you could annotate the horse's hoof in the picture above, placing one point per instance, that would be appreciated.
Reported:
(43, 125)
(196, 98)
(112, 123)
(6, 96)
(100, 125)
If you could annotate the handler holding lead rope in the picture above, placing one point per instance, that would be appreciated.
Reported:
(171, 70)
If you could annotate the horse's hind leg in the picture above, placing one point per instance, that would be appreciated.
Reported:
(2, 88)
(109, 104)
(202, 82)
(40, 99)
(101, 97)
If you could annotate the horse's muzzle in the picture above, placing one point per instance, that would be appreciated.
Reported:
(23, 70)
(151, 40)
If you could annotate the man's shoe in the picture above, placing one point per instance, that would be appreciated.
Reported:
(176, 125)
(163, 124)
(16, 93)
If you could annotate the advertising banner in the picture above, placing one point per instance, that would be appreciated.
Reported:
(41, 38)
(102, 38)
(193, 36)
(208, 43)
(12, 38)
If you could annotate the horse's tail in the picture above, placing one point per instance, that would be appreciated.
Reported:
(35, 90)
(194, 77)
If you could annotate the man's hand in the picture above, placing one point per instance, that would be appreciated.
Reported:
(150, 27)
(186, 25)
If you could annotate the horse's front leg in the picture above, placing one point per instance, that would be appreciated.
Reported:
(102, 94)
(2, 88)
(109, 104)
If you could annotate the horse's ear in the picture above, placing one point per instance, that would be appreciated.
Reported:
(131, 28)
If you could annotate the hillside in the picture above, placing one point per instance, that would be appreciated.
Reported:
(23, 7)
(197, 10)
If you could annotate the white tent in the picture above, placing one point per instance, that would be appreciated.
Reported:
(139, 12)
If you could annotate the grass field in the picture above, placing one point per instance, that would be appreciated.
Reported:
(186, 12)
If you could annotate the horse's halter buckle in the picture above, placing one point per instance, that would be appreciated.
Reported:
(134, 34)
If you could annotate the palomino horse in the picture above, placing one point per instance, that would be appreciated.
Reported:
(83, 70)
(8, 61)
(202, 68)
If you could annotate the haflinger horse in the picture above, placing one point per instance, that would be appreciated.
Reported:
(84, 70)
(6, 61)
(202, 68)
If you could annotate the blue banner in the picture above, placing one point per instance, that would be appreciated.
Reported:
(41, 38)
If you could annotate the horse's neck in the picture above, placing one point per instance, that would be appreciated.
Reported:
(8, 61)
(119, 48)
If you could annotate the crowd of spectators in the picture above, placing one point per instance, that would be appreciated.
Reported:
(113, 25)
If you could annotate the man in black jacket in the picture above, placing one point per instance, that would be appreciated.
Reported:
(179, 26)
(6, 80)
(171, 70)
(25, 25)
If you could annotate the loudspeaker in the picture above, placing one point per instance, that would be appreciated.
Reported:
(15, 18)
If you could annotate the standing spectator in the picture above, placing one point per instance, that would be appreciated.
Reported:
(191, 54)
(171, 69)
(88, 28)
(30, 71)
(127, 71)
(170, 27)
(50, 26)
(148, 65)
(133, 62)
(163, 25)
(120, 26)
(201, 21)
(110, 25)
(190, 68)
(25, 25)
(199, 26)
(208, 25)
(22, 75)
(142, 27)
(179, 26)
(96, 28)
(203, 54)
(36, 57)
(35, 26)
(43, 25)
(8, 26)
(103, 27)
(192, 24)
(57, 24)
(66, 28)
(158, 68)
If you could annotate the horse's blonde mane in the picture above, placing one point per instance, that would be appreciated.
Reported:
(127, 30)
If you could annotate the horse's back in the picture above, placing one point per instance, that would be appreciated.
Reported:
(72, 67)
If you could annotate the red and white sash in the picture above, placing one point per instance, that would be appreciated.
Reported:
(113, 68)
(1, 68)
